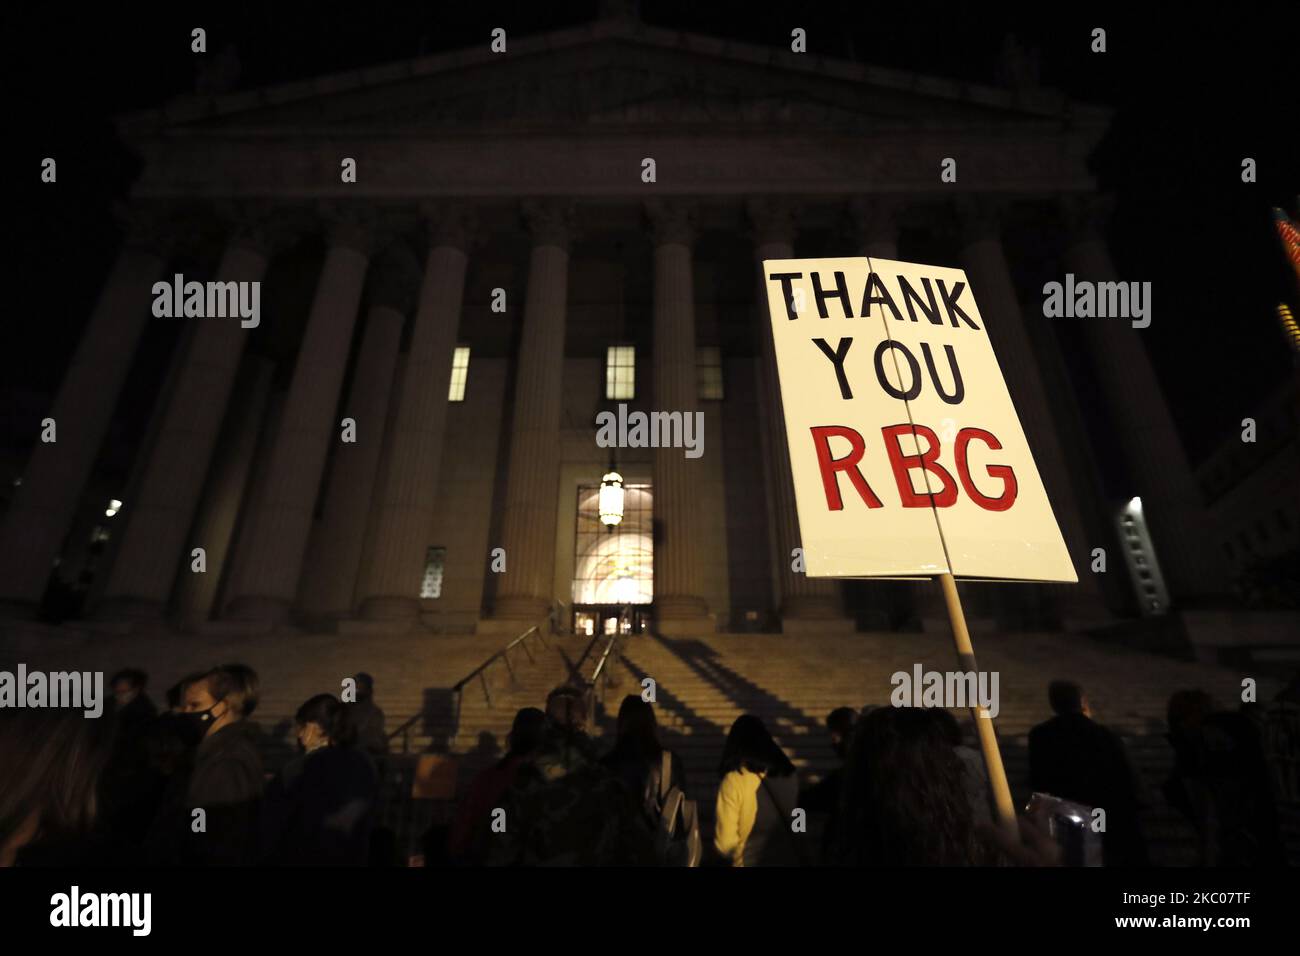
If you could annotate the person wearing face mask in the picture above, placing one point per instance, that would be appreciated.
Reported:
(227, 779)
(319, 809)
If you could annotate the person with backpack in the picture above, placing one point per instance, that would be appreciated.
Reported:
(756, 800)
(467, 844)
(653, 776)
(565, 808)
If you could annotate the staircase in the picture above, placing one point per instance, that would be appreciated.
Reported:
(702, 684)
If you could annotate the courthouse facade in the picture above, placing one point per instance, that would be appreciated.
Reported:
(407, 438)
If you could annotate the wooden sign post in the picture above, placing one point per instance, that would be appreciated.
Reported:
(983, 722)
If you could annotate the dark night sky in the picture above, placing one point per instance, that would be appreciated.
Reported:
(1192, 98)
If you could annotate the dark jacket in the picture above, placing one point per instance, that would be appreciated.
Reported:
(170, 745)
(226, 782)
(367, 722)
(134, 718)
(319, 811)
(640, 774)
(565, 809)
(471, 830)
(824, 797)
(1221, 780)
(130, 788)
(1074, 757)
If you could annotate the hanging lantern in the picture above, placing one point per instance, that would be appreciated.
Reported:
(611, 499)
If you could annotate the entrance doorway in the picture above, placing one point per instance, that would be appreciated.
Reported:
(613, 566)
(608, 620)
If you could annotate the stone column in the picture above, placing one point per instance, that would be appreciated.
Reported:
(381, 476)
(532, 482)
(985, 263)
(254, 493)
(335, 552)
(801, 598)
(159, 522)
(225, 492)
(264, 590)
(1171, 503)
(139, 466)
(34, 527)
(678, 606)
(389, 584)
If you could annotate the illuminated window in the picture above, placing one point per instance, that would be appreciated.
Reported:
(431, 586)
(614, 564)
(459, 374)
(620, 372)
(708, 373)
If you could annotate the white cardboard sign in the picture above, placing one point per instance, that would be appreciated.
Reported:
(907, 454)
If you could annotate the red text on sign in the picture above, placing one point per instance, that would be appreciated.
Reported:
(927, 459)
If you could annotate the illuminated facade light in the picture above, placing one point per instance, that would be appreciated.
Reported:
(114, 506)
(1140, 557)
(611, 499)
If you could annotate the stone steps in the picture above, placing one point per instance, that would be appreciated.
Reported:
(697, 728)
(702, 685)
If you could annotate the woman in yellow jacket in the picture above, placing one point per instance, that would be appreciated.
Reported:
(758, 793)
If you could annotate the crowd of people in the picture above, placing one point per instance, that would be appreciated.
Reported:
(188, 786)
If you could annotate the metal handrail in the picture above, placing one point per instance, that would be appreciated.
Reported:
(503, 653)
(600, 664)
(480, 672)
(600, 675)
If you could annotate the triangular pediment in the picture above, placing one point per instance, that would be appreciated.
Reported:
(603, 78)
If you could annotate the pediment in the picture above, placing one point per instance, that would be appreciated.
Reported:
(601, 81)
